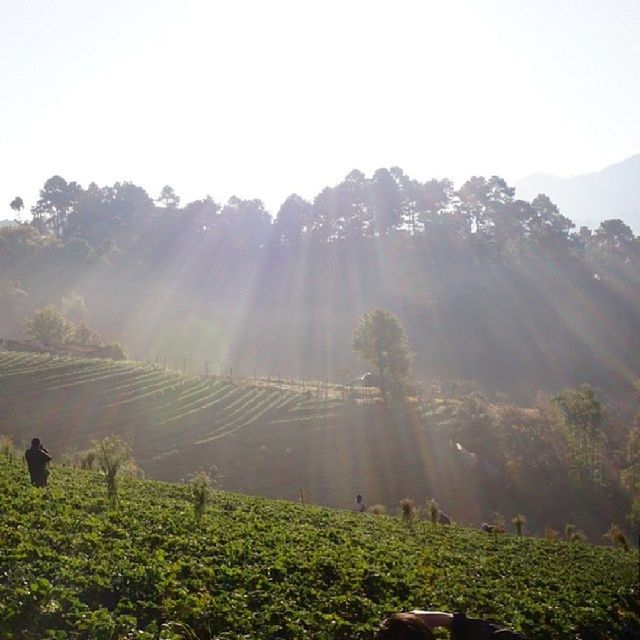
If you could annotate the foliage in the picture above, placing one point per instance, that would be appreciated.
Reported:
(266, 569)
(380, 340)
(617, 537)
(6, 447)
(551, 534)
(17, 204)
(518, 522)
(200, 490)
(581, 413)
(49, 326)
(407, 511)
(634, 514)
(58, 199)
(74, 308)
(378, 509)
(433, 510)
(112, 455)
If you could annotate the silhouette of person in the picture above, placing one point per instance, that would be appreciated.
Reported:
(360, 506)
(37, 458)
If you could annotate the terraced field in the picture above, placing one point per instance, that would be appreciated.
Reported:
(68, 401)
(274, 442)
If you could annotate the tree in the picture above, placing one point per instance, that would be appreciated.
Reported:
(380, 340)
(57, 200)
(580, 412)
(17, 204)
(169, 198)
(385, 200)
(245, 222)
(293, 218)
(49, 326)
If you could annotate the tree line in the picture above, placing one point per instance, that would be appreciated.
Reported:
(483, 212)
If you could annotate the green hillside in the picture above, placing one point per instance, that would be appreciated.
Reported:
(272, 441)
(256, 568)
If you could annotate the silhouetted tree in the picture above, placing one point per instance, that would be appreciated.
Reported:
(380, 340)
(245, 222)
(168, 198)
(385, 199)
(57, 200)
(293, 219)
(17, 204)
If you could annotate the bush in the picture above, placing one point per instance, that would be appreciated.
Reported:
(200, 489)
(6, 447)
(617, 537)
(550, 533)
(378, 509)
(518, 522)
(111, 455)
(49, 326)
(434, 510)
(407, 511)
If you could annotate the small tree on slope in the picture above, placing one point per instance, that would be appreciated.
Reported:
(380, 340)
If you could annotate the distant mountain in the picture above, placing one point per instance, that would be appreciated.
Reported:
(590, 198)
(7, 223)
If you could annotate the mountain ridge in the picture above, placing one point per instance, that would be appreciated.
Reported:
(590, 198)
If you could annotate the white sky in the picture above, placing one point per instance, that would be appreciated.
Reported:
(266, 98)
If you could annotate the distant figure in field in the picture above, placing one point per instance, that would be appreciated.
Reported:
(419, 625)
(37, 458)
(360, 506)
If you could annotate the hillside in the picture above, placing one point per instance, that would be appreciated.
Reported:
(591, 198)
(264, 569)
(269, 441)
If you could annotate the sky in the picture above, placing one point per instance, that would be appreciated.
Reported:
(263, 99)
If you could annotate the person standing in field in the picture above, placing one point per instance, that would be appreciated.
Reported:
(360, 506)
(37, 458)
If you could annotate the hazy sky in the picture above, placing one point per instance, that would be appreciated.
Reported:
(261, 99)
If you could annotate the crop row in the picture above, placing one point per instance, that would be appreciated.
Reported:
(70, 400)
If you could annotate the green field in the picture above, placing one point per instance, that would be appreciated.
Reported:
(70, 568)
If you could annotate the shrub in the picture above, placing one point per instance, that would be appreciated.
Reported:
(550, 533)
(407, 511)
(200, 489)
(378, 509)
(578, 536)
(434, 510)
(6, 447)
(49, 326)
(569, 530)
(69, 458)
(617, 537)
(499, 521)
(87, 459)
(518, 522)
(112, 454)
